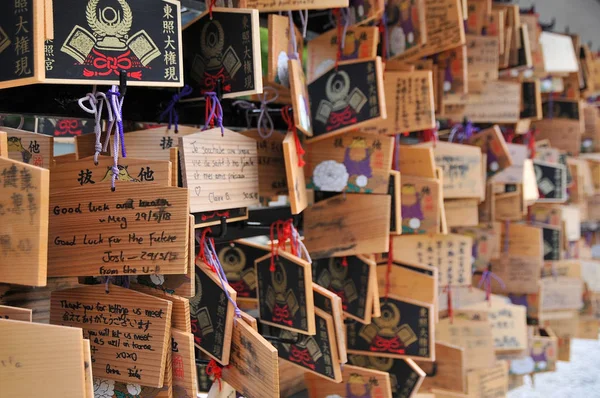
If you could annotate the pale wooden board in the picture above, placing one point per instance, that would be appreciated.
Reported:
(564, 134)
(363, 160)
(452, 72)
(333, 306)
(559, 54)
(84, 172)
(488, 382)
(492, 143)
(154, 143)
(271, 164)
(422, 205)
(295, 177)
(15, 313)
(483, 59)
(561, 293)
(164, 217)
(23, 223)
(357, 382)
(406, 27)
(498, 102)
(31, 148)
(413, 250)
(3, 144)
(68, 308)
(180, 314)
(221, 172)
(279, 41)
(361, 42)
(62, 159)
(475, 337)
(253, 365)
(417, 161)
(461, 212)
(336, 226)
(405, 282)
(477, 15)
(29, 362)
(185, 381)
(174, 157)
(299, 93)
(87, 365)
(450, 373)
(250, 320)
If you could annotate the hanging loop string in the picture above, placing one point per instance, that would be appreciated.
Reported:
(486, 281)
(282, 232)
(304, 21)
(265, 121)
(210, 8)
(214, 370)
(214, 111)
(288, 117)
(116, 103)
(462, 132)
(246, 106)
(170, 110)
(96, 103)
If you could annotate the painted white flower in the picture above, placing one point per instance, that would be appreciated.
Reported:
(134, 389)
(397, 40)
(324, 67)
(414, 223)
(362, 181)
(304, 118)
(522, 366)
(282, 69)
(330, 175)
(104, 388)
(157, 279)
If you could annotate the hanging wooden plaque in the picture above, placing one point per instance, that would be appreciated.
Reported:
(296, 181)
(139, 229)
(478, 16)
(223, 44)
(360, 43)
(475, 337)
(185, 383)
(452, 71)
(360, 163)
(357, 382)
(489, 382)
(129, 332)
(23, 223)
(299, 94)
(331, 304)
(221, 172)
(561, 293)
(212, 315)
(279, 47)
(15, 313)
(448, 372)
(417, 283)
(317, 353)
(29, 366)
(84, 172)
(493, 145)
(482, 60)
(405, 376)
(349, 278)
(3, 144)
(30, 148)
(417, 161)
(420, 205)
(347, 97)
(93, 42)
(336, 226)
(551, 181)
(180, 313)
(498, 102)
(153, 144)
(253, 366)
(285, 296)
(283, 5)
(406, 26)
(404, 330)
(563, 134)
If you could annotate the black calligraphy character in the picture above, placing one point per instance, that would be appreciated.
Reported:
(26, 180)
(338, 143)
(166, 142)
(85, 177)
(377, 145)
(10, 176)
(31, 205)
(5, 243)
(34, 147)
(17, 200)
(174, 346)
(146, 174)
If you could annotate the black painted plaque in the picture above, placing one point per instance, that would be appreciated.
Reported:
(17, 33)
(237, 260)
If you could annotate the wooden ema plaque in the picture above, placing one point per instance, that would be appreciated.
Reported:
(489, 382)
(482, 60)
(224, 45)
(221, 172)
(279, 45)
(551, 182)
(313, 353)
(406, 26)
(448, 372)
(417, 161)
(152, 144)
(137, 229)
(30, 148)
(183, 360)
(531, 100)
(405, 376)
(253, 365)
(563, 134)
(129, 332)
(336, 226)
(331, 304)
(299, 94)
(561, 293)
(360, 43)
(418, 283)
(351, 282)
(29, 366)
(357, 382)
(93, 42)
(486, 243)
(420, 198)
(284, 5)
(180, 318)
(404, 330)
(493, 145)
(15, 313)
(498, 102)
(477, 15)
(212, 315)
(452, 72)
(272, 180)
(450, 254)
(23, 223)
(84, 172)
(353, 162)
(296, 180)
(22, 43)
(475, 337)
(347, 97)
(285, 297)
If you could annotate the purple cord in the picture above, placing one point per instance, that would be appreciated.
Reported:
(213, 260)
(506, 239)
(170, 109)
(214, 101)
(486, 278)
(116, 103)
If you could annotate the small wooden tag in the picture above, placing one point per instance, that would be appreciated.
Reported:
(15, 313)
(482, 60)
(498, 102)
(23, 223)
(404, 330)
(361, 163)
(486, 243)
(350, 282)
(489, 382)
(296, 181)
(180, 318)
(221, 172)
(253, 366)
(551, 181)
(347, 97)
(416, 283)
(299, 94)
(564, 134)
(357, 382)
(30, 148)
(129, 331)
(406, 25)
(285, 297)
(448, 372)
(405, 376)
(279, 42)
(420, 205)
(475, 337)
(185, 384)
(492, 143)
(331, 303)
(561, 293)
(223, 45)
(138, 229)
(417, 161)
(316, 354)
(336, 226)
(478, 15)
(212, 315)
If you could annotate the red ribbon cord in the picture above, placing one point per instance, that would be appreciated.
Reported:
(207, 113)
(383, 41)
(301, 356)
(288, 117)
(390, 261)
(108, 65)
(342, 295)
(282, 314)
(340, 31)
(214, 370)
(344, 261)
(380, 344)
(341, 118)
(241, 288)
(450, 308)
(531, 143)
(210, 81)
(202, 254)
(281, 231)
(210, 7)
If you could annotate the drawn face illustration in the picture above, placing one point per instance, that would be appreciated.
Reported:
(338, 87)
